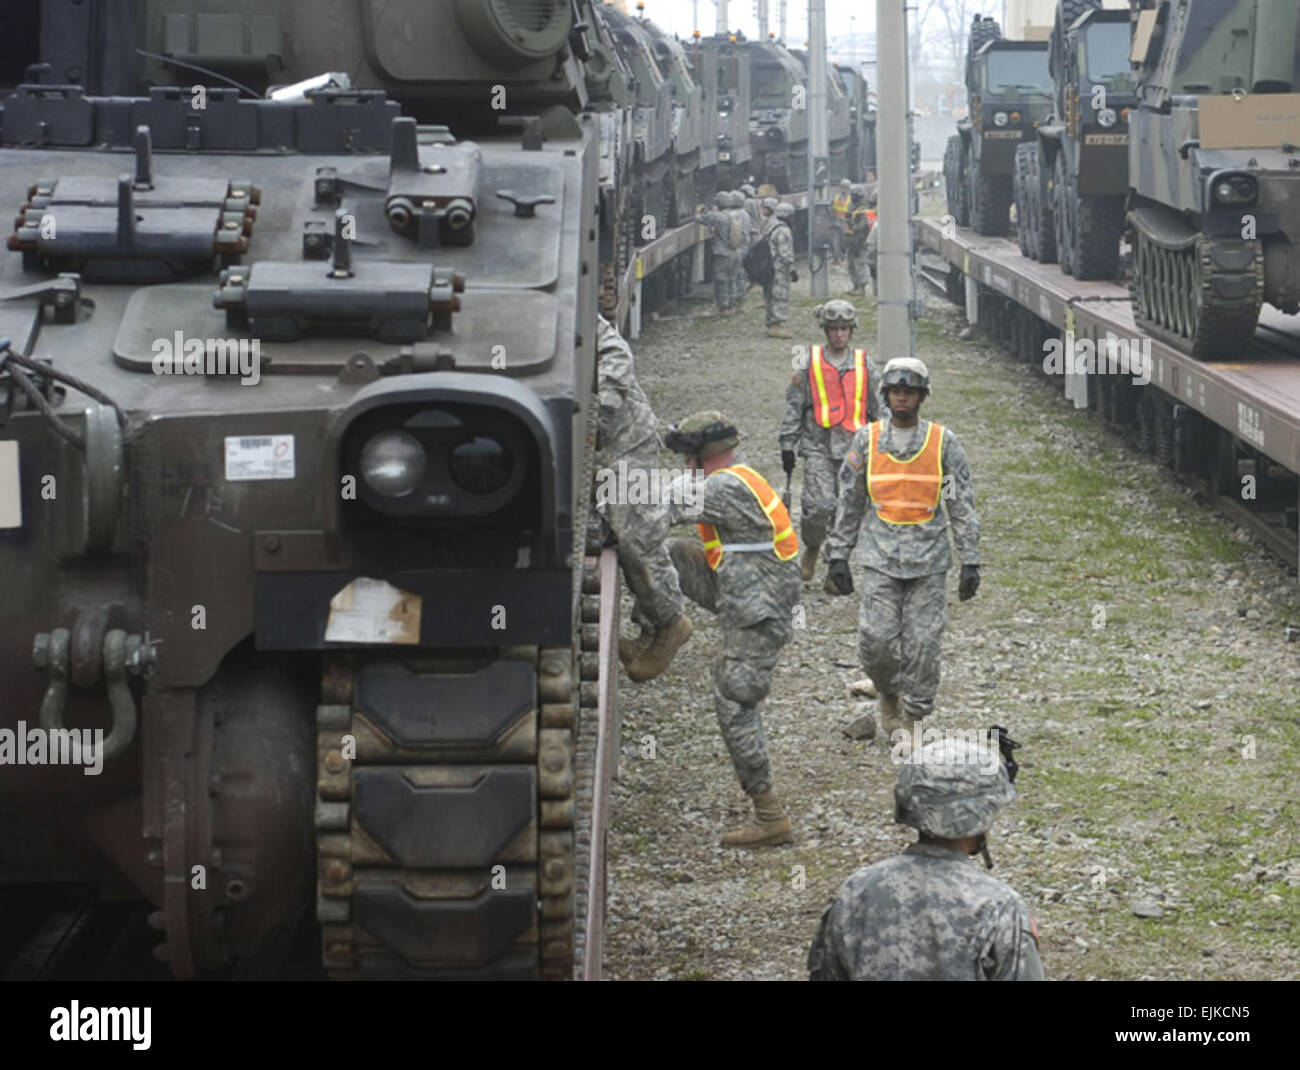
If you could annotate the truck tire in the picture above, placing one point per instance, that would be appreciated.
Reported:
(990, 205)
(954, 178)
(1040, 202)
(1099, 223)
(1020, 195)
(1064, 203)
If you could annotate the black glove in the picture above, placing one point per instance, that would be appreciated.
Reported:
(787, 461)
(969, 582)
(840, 577)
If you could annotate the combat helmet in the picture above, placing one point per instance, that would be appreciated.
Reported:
(837, 313)
(737, 199)
(858, 192)
(784, 210)
(702, 434)
(905, 371)
(845, 184)
(769, 203)
(722, 199)
(747, 190)
(948, 790)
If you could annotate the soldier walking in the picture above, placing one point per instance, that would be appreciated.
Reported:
(930, 914)
(627, 438)
(750, 204)
(859, 229)
(742, 568)
(776, 292)
(840, 219)
(916, 478)
(873, 248)
(728, 248)
(831, 395)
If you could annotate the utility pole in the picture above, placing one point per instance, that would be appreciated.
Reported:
(818, 149)
(780, 17)
(722, 17)
(894, 172)
(762, 20)
(695, 14)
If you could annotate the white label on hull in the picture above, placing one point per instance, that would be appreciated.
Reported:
(11, 493)
(251, 457)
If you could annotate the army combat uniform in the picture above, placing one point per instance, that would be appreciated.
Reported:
(776, 294)
(752, 590)
(743, 221)
(628, 437)
(904, 551)
(873, 246)
(929, 914)
(729, 242)
(859, 230)
(822, 412)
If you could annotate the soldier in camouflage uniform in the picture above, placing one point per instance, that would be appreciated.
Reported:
(873, 250)
(627, 437)
(929, 914)
(751, 205)
(820, 432)
(917, 480)
(728, 247)
(740, 218)
(743, 569)
(859, 230)
(776, 294)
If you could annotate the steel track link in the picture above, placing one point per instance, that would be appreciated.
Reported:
(1178, 292)
(447, 851)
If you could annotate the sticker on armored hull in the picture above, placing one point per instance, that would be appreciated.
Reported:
(373, 611)
(11, 494)
(251, 457)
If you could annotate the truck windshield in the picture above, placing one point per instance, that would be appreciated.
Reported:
(1019, 71)
(1105, 53)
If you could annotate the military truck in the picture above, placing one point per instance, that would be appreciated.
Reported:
(1071, 185)
(296, 434)
(1010, 91)
(1214, 170)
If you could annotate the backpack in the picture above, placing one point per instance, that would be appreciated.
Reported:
(736, 231)
(758, 262)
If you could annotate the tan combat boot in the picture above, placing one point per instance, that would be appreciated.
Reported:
(631, 649)
(891, 719)
(658, 653)
(770, 827)
(777, 331)
(809, 563)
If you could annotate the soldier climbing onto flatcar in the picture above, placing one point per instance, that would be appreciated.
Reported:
(742, 567)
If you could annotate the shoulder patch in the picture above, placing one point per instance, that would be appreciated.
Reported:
(854, 460)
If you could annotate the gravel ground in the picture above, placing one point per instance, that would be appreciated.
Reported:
(1131, 638)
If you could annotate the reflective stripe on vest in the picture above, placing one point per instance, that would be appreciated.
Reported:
(829, 388)
(906, 492)
(785, 544)
(840, 206)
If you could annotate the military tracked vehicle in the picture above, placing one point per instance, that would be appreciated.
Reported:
(1010, 92)
(1214, 170)
(296, 430)
(1072, 184)
(862, 117)
(730, 58)
(778, 117)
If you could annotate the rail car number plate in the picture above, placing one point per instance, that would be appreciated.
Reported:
(1105, 139)
(1005, 134)
(11, 493)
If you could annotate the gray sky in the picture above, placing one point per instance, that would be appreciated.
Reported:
(675, 16)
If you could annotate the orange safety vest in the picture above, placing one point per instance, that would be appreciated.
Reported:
(906, 492)
(785, 543)
(830, 389)
(872, 216)
(840, 206)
